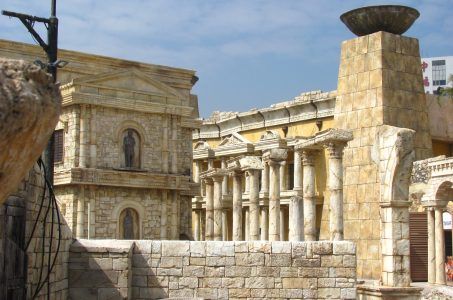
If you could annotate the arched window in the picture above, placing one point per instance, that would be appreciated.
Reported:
(131, 148)
(129, 224)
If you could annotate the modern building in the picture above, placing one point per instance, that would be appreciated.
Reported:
(436, 73)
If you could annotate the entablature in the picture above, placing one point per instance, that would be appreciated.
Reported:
(120, 178)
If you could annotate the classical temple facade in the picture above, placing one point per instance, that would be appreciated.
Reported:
(123, 145)
(327, 165)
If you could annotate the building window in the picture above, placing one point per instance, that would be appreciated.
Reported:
(59, 146)
(439, 72)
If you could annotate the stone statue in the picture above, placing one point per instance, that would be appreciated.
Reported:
(128, 226)
(129, 145)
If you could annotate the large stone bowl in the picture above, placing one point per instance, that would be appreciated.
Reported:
(395, 19)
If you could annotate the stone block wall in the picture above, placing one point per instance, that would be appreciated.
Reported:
(221, 270)
(100, 269)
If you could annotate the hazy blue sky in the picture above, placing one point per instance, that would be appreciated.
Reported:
(247, 53)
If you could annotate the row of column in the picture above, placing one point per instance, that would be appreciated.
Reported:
(436, 245)
(302, 206)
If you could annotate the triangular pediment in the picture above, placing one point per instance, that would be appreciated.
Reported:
(128, 80)
(234, 139)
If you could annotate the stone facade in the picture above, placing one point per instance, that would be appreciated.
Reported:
(213, 270)
(103, 101)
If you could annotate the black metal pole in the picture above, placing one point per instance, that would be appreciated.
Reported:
(52, 52)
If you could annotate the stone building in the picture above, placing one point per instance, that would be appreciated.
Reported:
(380, 117)
(123, 144)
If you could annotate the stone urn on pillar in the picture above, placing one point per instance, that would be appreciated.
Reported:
(379, 84)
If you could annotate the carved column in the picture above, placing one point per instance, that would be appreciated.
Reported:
(264, 223)
(165, 148)
(197, 225)
(174, 144)
(254, 205)
(298, 176)
(296, 217)
(175, 215)
(247, 224)
(335, 184)
(247, 183)
(209, 209)
(196, 171)
(309, 195)
(164, 216)
(225, 178)
(282, 223)
(431, 246)
(224, 225)
(274, 201)
(274, 158)
(237, 206)
(265, 178)
(84, 137)
(282, 172)
(440, 246)
(218, 207)
(81, 215)
(210, 164)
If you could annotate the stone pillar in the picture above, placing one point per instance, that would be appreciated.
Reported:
(431, 246)
(196, 171)
(164, 216)
(80, 217)
(237, 206)
(296, 217)
(92, 215)
(247, 224)
(298, 176)
(92, 139)
(210, 164)
(165, 148)
(209, 209)
(440, 246)
(264, 220)
(282, 172)
(274, 201)
(174, 144)
(282, 223)
(254, 205)
(84, 137)
(203, 225)
(175, 215)
(224, 225)
(335, 184)
(225, 178)
(247, 183)
(395, 243)
(197, 226)
(265, 178)
(218, 207)
(309, 195)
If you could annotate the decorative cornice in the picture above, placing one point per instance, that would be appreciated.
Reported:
(329, 136)
(118, 178)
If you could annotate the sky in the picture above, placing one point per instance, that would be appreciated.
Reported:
(247, 53)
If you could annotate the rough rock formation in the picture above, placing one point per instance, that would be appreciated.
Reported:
(29, 110)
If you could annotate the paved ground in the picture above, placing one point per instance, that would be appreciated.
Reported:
(435, 291)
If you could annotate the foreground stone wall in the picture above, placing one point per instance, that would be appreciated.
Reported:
(30, 192)
(215, 270)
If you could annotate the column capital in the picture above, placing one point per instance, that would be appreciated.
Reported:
(335, 149)
(308, 156)
(275, 155)
(208, 180)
